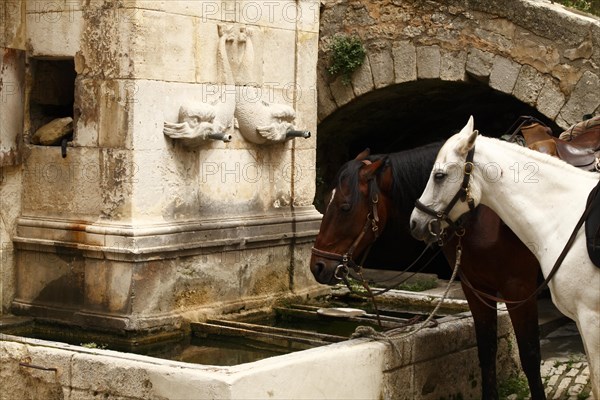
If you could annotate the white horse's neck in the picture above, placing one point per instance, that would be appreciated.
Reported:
(540, 198)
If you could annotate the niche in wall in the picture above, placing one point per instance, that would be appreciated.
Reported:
(52, 90)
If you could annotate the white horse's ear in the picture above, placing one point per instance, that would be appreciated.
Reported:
(467, 137)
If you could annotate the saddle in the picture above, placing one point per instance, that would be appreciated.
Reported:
(582, 149)
(579, 146)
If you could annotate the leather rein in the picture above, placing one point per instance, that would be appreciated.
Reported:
(463, 194)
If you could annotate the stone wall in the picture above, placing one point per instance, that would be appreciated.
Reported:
(539, 52)
(12, 86)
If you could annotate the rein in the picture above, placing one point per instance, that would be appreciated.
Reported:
(463, 195)
(553, 271)
(435, 225)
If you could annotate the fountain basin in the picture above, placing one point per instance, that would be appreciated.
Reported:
(432, 363)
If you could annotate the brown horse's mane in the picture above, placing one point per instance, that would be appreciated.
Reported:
(410, 171)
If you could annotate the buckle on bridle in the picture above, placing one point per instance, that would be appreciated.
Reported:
(345, 271)
(436, 230)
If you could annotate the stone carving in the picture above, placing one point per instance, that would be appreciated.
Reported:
(197, 124)
(262, 122)
(258, 121)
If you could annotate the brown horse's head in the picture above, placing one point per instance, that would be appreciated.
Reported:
(356, 213)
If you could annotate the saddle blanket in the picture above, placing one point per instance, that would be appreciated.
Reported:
(592, 226)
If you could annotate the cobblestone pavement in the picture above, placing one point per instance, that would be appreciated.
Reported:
(565, 369)
(567, 378)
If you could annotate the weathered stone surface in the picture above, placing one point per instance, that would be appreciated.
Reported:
(428, 62)
(551, 99)
(405, 62)
(479, 63)
(342, 93)
(380, 62)
(583, 100)
(362, 79)
(529, 84)
(453, 65)
(53, 132)
(504, 74)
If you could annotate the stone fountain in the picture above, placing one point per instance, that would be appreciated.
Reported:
(182, 192)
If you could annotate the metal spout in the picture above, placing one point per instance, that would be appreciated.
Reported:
(225, 137)
(293, 133)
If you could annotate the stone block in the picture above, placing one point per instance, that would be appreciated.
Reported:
(72, 186)
(342, 93)
(479, 63)
(12, 100)
(13, 31)
(362, 79)
(304, 176)
(309, 15)
(106, 43)
(55, 34)
(405, 62)
(114, 113)
(277, 58)
(441, 377)
(428, 62)
(529, 85)
(326, 104)
(282, 14)
(452, 66)
(111, 376)
(164, 47)
(504, 74)
(551, 99)
(206, 48)
(108, 285)
(583, 100)
(380, 62)
(50, 281)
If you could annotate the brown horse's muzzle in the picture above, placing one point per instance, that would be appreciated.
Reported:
(325, 271)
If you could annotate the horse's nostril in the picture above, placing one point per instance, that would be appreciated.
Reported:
(320, 267)
(413, 225)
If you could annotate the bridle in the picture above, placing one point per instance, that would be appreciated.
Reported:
(372, 223)
(463, 194)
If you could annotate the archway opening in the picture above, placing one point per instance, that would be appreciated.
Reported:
(404, 116)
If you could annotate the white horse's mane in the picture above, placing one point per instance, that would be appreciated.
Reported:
(534, 155)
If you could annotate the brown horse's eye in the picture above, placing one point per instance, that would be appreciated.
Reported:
(345, 207)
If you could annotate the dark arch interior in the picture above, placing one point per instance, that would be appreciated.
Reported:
(405, 116)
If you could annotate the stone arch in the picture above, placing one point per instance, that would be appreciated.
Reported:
(541, 54)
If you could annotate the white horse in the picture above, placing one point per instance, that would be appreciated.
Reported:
(540, 198)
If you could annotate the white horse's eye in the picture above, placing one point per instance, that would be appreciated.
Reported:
(438, 176)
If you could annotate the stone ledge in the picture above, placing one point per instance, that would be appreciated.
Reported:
(149, 242)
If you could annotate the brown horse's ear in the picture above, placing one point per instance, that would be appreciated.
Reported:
(363, 154)
(372, 168)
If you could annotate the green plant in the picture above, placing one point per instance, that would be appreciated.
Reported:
(419, 286)
(583, 395)
(92, 345)
(516, 384)
(591, 6)
(346, 54)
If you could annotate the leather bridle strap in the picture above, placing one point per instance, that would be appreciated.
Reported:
(557, 264)
(372, 222)
(462, 195)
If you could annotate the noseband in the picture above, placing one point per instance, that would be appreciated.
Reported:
(463, 194)
(346, 261)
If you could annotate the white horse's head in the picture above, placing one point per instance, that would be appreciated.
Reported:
(445, 198)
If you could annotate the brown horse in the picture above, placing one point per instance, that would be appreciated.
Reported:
(375, 193)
